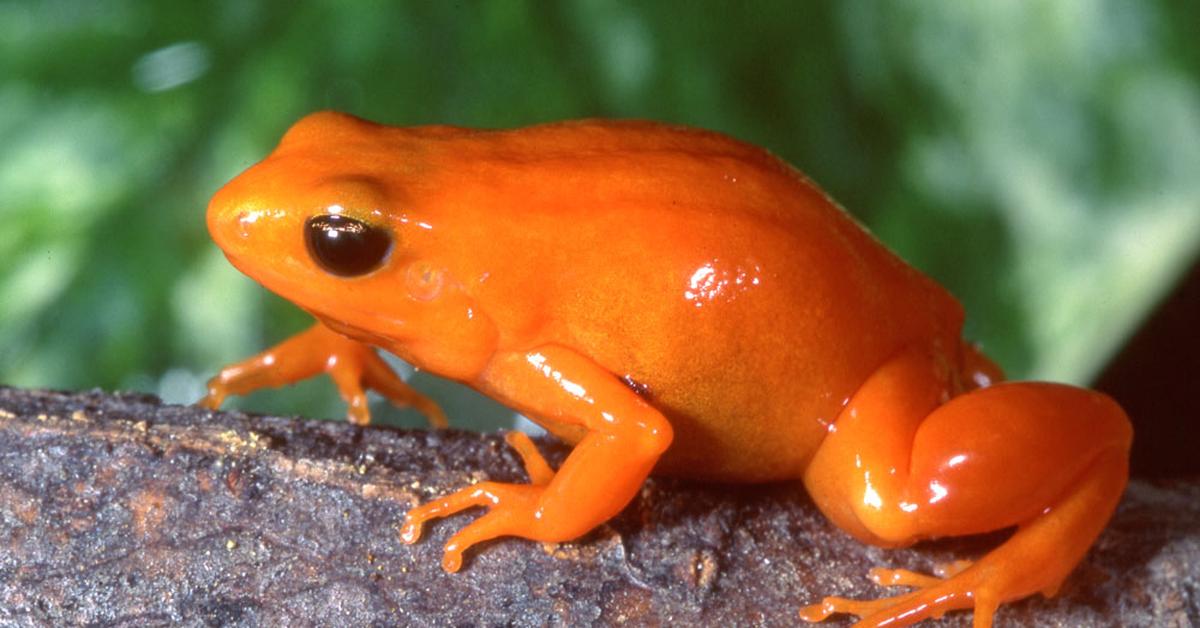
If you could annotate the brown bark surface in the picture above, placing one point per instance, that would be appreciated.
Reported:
(118, 509)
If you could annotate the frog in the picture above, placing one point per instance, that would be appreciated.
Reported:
(674, 301)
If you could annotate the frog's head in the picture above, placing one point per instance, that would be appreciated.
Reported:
(323, 222)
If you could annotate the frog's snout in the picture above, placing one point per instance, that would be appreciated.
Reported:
(230, 226)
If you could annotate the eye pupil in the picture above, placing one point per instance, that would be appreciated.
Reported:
(344, 246)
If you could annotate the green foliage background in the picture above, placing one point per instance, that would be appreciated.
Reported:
(1041, 159)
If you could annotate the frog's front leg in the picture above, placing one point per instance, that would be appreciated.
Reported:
(623, 439)
(902, 466)
(353, 366)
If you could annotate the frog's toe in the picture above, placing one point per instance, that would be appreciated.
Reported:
(885, 577)
(214, 398)
(540, 473)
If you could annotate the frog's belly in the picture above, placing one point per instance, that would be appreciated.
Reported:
(749, 397)
(744, 434)
(708, 450)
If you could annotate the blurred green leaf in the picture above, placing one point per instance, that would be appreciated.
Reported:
(1039, 158)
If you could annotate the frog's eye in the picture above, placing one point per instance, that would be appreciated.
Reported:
(344, 246)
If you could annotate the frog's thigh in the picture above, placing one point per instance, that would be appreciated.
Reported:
(624, 438)
(985, 460)
(1049, 458)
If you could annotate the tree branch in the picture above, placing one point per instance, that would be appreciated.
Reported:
(116, 508)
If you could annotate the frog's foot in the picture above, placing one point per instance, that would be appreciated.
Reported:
(513, 506)
(353, 366)
(512, 511)
(933, 597)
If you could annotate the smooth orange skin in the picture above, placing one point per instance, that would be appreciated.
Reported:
(672, 300)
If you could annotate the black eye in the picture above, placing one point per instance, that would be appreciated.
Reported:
(345, 246)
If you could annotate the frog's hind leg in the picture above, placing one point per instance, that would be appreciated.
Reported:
(1035, 560)
(1049, 459)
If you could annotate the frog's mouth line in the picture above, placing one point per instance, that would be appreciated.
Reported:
(350, 331)
(305, 296)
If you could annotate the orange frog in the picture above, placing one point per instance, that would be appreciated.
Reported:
(668, 300)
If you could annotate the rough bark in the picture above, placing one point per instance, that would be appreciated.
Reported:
(116, 509)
